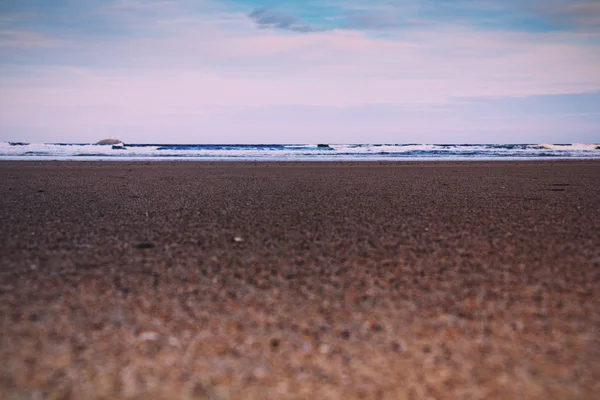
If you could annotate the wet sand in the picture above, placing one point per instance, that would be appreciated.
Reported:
(300, 280)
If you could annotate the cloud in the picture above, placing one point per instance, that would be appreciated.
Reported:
(268, 18)
(571, 14)
(506, 15)
(337, 68)
(152, 67)
(371, 21)
(11, 38)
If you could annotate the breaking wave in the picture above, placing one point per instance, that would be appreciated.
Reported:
(71, 151)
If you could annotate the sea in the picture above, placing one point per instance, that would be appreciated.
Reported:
(295, 152)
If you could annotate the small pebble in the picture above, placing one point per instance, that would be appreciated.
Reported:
(148, 336)
(324, 348)
(398, 347)
(260, 373)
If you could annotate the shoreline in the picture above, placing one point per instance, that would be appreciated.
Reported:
(121, 159)
(300, 279)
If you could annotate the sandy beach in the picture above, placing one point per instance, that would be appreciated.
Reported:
(472, 280)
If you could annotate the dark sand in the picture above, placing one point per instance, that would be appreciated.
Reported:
(300, 281)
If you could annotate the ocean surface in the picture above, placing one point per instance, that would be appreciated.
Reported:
(295, 152)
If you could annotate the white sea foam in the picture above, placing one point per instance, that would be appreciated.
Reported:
(572, 146)
(297, 152)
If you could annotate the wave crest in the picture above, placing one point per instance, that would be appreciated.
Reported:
(572, 146)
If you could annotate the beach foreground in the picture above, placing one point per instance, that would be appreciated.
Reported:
(300, 280)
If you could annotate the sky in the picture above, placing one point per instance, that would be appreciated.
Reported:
(291, 71)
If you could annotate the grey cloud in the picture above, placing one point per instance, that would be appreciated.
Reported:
(268, 18)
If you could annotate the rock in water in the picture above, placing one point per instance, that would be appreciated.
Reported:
(110, 141)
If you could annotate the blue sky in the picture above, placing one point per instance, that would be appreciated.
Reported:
(286, 71)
